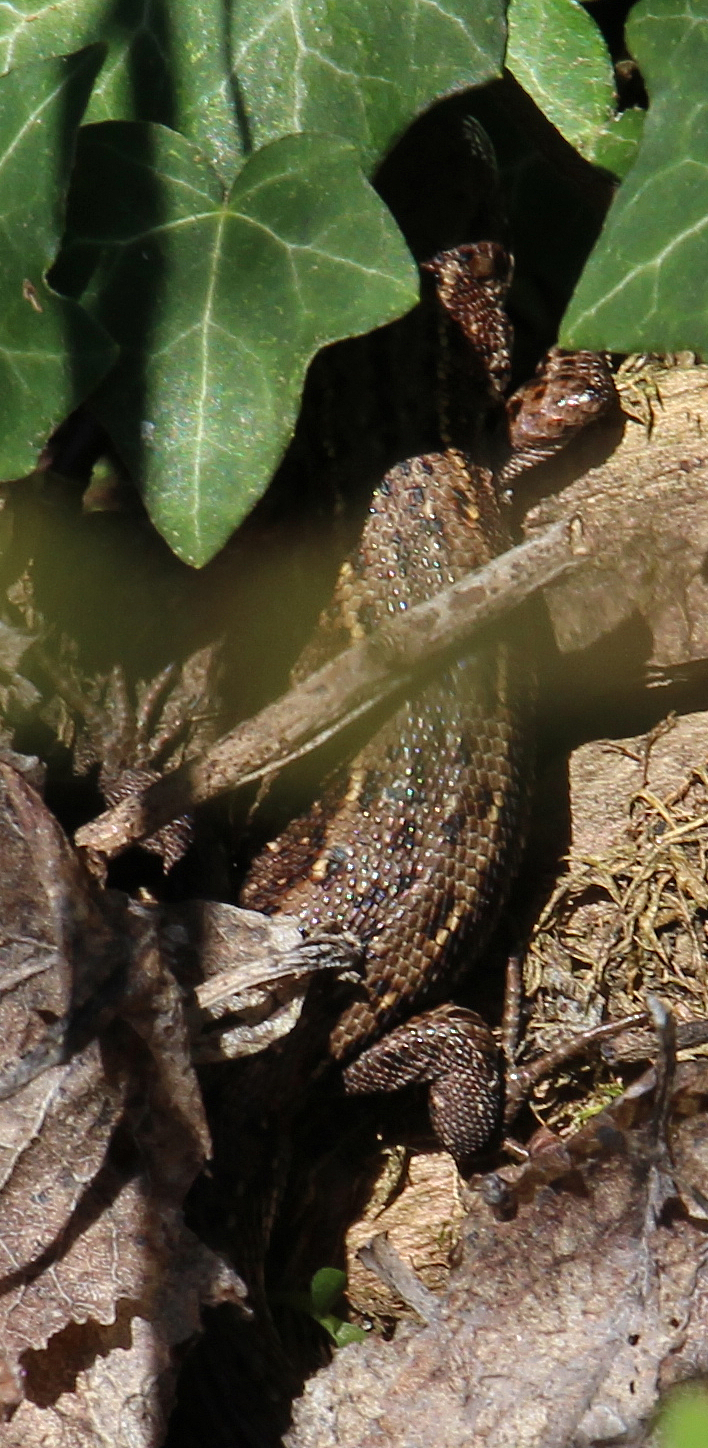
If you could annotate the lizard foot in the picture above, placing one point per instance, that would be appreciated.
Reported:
(455, 1054)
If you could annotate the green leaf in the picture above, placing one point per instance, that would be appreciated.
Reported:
(243, 291)
(345, 1332)
(617, 144)
(358, 68)
(353, 67)
(684, 1419)
(340, 1332)
(29, 32)
(205, 97)
(326, 1288)
(558, 55)
(136, 81)
(50, 353)
(172, 69)
(645, 287)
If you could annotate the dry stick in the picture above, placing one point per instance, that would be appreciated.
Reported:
(344, 689)
(381, 1257)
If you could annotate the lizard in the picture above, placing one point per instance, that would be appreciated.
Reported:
(413, 843)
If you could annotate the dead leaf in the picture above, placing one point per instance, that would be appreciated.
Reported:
(560, 1325)
(102, 1132)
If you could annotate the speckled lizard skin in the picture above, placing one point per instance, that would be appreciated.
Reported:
(413, 845)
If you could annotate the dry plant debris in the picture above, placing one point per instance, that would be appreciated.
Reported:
(102, 1123)
(100, 1137)
(629, 914)
(560, 1325)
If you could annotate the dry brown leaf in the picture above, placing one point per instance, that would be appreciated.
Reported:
(560, 1326)
(102, 1131)
(112, 1378)
(246, 974)
(58, 946)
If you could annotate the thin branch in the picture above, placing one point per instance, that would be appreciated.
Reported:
(344, 689)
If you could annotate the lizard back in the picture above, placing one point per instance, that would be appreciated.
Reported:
(413, 843)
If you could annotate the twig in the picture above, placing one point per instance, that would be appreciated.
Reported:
(344, 689)
(380, 1257)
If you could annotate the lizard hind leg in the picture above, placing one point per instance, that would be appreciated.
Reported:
(452, 1051)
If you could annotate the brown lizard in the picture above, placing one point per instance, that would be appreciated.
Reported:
(413, 844)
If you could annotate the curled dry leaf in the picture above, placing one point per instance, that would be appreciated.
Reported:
(60, 949)
(246, 975)
(102, 1131)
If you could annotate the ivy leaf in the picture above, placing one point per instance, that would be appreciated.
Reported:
(29, 32)
(51, 354)
(220, 303)
(558, 55)
(617, 143)
(204, 90)
(354, 67)
(135, 83)
(645, 287)
(172, 68)
(358, 68)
